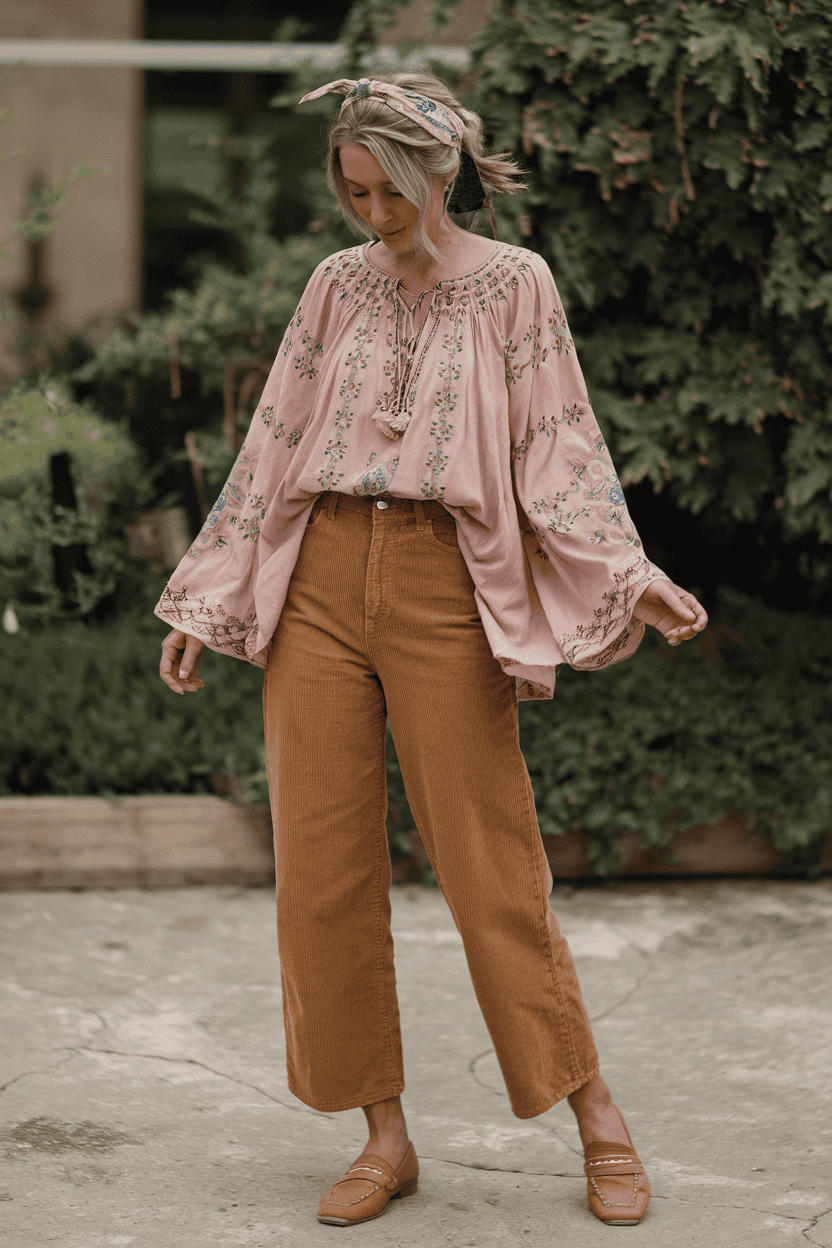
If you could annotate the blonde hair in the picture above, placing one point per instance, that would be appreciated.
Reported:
(410, 157)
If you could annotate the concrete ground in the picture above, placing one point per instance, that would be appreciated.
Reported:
(145, 1100)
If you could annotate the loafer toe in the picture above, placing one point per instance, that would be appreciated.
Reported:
(617, 1187)
(367, 1188)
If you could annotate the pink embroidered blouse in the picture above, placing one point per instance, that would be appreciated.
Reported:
(471, 395)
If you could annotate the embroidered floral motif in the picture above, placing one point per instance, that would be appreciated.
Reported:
(571, 415)
(533, 537)
(602, 484)
(528, 690)
(560, 332)
(518, 451)
(539, 353)
(351, 278)
(230, 501)
(295, 323)
(292, 439)
(376, 480)
(249, 526)
(445, 402)
(595, 490)
(305, 363)
(558, 519)
(537, 356)
(609, 618)
(206, 620)
(349, 391)
(514, 370)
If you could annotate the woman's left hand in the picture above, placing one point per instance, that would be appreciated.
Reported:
(672, 610)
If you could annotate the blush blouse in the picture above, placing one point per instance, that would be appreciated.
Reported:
(469, 394)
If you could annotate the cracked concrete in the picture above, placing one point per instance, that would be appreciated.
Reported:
(143, 1095)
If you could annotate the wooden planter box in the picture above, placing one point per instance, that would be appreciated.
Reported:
(720, 848)
(140, 842)
(164, 842)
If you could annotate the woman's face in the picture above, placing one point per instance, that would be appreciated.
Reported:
(376, 200)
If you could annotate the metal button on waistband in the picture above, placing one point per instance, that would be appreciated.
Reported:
(381, 504)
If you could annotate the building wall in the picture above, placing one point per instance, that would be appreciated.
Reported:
(91, 261)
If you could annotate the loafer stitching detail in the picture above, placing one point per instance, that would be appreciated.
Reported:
(610, 1204)
(348, 1204)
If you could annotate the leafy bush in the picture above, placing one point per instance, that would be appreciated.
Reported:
(680, 174)
(738, 720)
(86, 713)
(36, 423)
(111, 484)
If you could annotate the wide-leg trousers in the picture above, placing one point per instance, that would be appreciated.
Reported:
(380, 621)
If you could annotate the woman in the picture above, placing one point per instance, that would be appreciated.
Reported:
(423, 524)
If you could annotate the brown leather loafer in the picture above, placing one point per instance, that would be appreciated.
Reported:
(367, 1188)
(617, 1186)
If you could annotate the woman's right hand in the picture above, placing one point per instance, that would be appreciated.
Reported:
(181, 661)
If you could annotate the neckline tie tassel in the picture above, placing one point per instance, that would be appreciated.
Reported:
(392, 426)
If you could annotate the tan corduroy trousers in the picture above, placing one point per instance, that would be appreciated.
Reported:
(380, 621)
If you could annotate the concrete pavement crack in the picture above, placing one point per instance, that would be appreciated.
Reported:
(192, 1061)
(771, 1213)
(27, 1074)
(811, 1227)
(473, 1072)
(474, 1165)
(616, 1005)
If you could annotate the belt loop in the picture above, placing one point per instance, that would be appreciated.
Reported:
(332, 503)
(420, 514)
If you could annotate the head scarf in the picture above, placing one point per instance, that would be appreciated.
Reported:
(439, 122)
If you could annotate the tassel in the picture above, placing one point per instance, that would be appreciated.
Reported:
(392, 426)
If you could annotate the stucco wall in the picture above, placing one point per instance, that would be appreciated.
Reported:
(91, 262)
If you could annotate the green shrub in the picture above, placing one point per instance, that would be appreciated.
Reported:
(111, 485)
(736, 721)
(86, 713)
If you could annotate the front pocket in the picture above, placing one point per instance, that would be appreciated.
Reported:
(443, 533)
(318, 509)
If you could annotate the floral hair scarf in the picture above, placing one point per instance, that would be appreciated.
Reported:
(438, 121)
